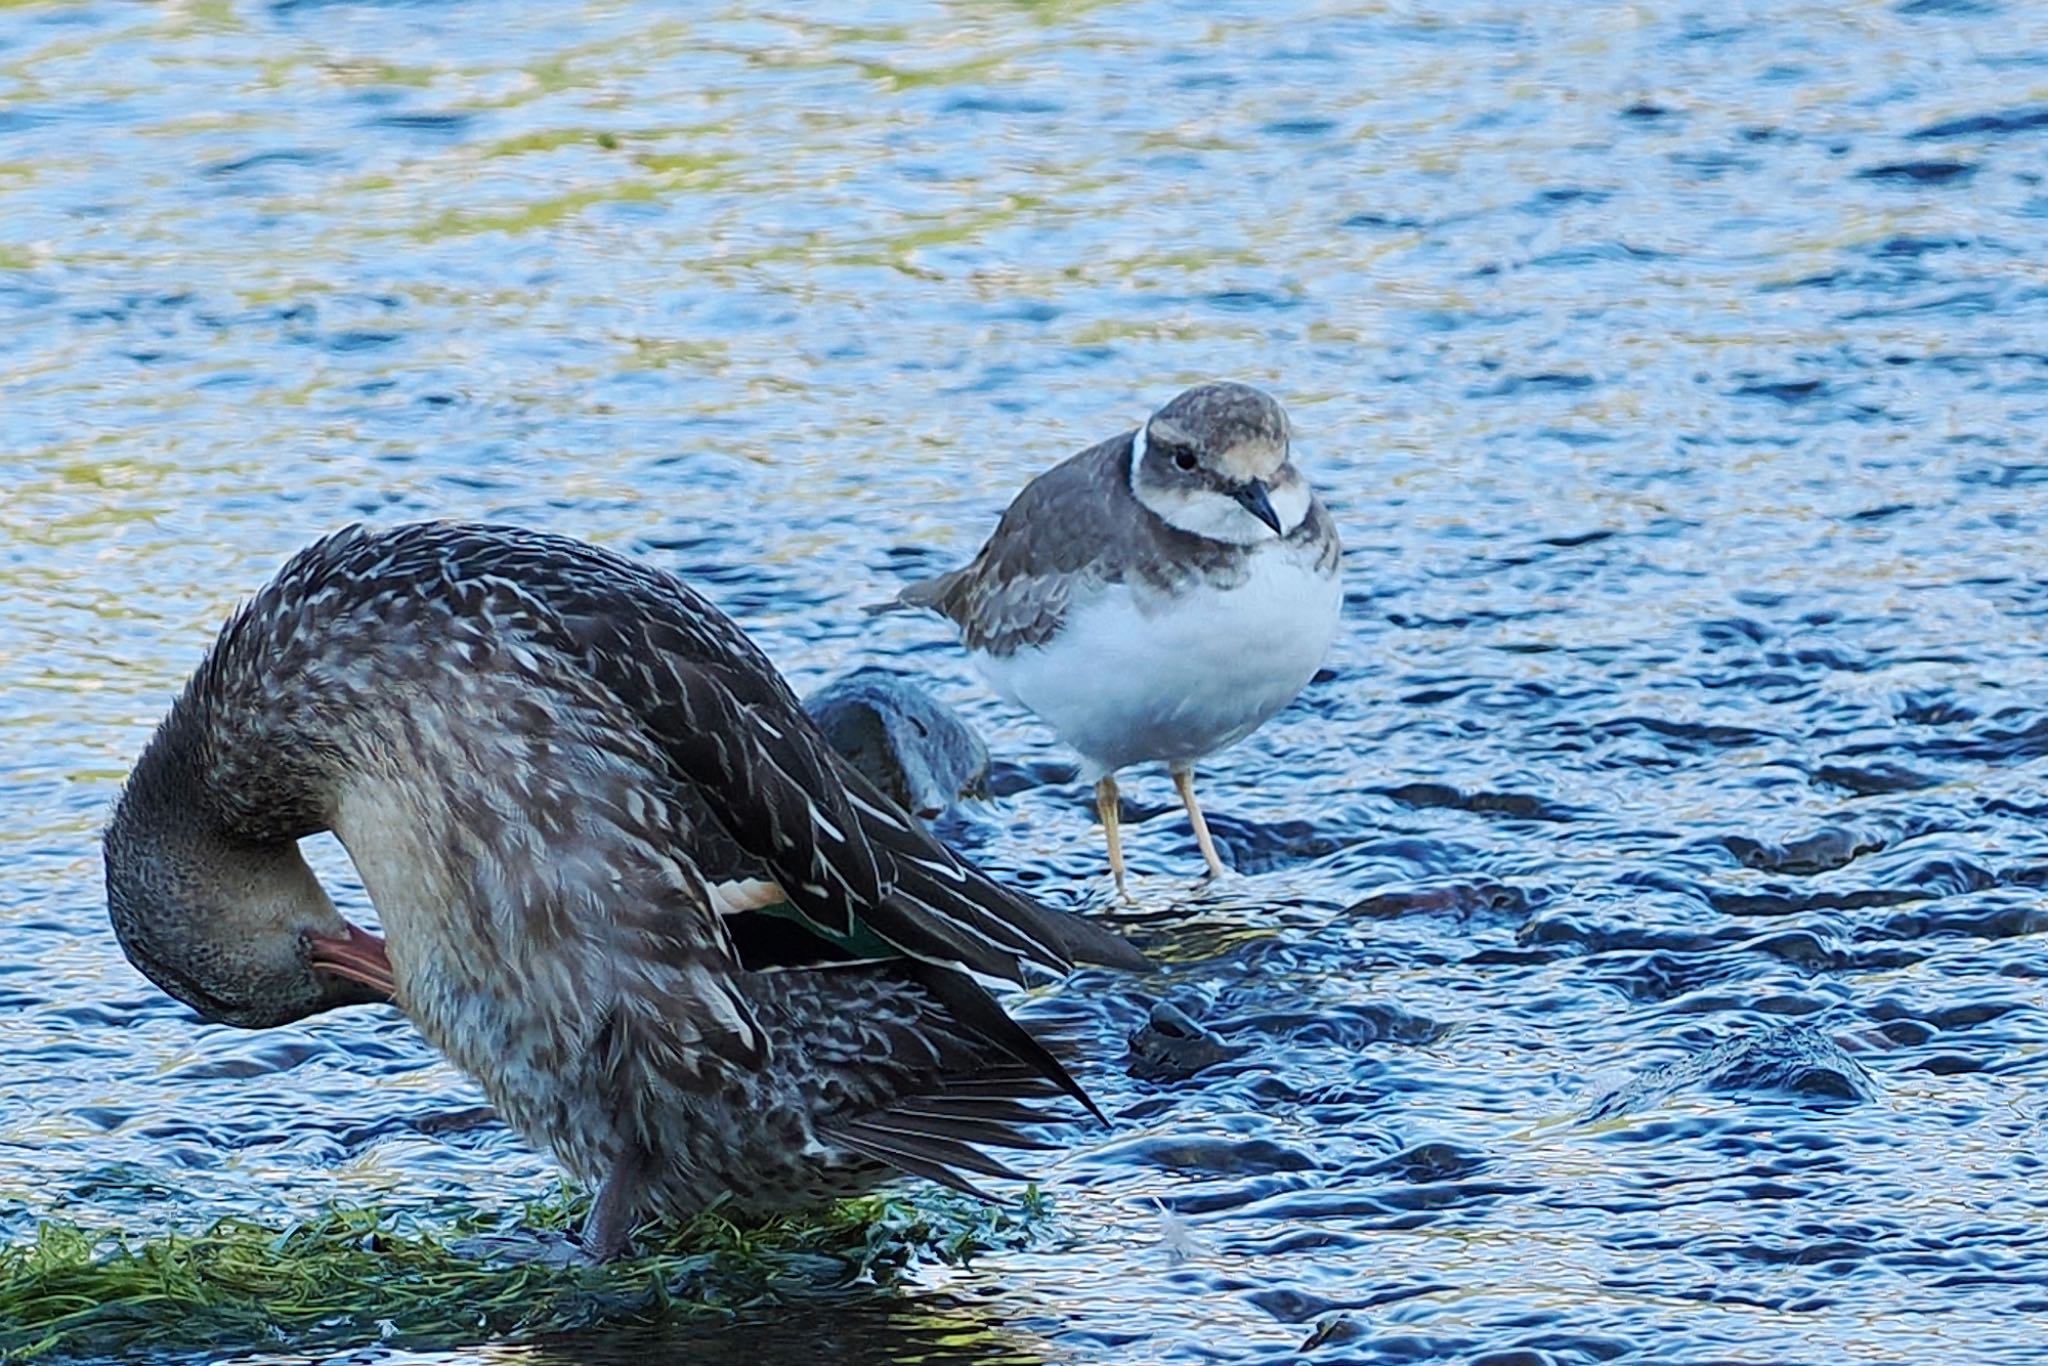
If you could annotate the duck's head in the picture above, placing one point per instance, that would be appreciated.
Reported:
(241, 932)
(1214, 462)
(906, 742)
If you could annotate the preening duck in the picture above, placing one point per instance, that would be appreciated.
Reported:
(623, 881)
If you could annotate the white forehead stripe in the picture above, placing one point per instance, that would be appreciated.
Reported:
(1138, 449)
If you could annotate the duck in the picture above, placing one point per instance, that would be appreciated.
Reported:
(621, 878)
(912, 746)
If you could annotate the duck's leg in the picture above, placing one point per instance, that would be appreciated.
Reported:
(617, 1207)
(1184, 780)
(1106, 805)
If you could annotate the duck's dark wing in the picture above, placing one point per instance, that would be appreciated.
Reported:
(853, 866)
(896, 1077)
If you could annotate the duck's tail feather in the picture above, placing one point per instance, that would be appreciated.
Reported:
(982, 1016)
(915, 1161)
(1018, 929)
(940, 1136)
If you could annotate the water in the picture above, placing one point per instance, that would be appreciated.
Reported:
(1678, 377)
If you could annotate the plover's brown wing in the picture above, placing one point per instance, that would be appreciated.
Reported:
(1073, 528)
(1318, 529)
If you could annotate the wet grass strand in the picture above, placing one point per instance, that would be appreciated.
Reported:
(354, 1275)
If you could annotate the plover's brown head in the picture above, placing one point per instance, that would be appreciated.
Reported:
(1214, 462)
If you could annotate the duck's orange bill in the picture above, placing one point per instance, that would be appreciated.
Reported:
(359, 957)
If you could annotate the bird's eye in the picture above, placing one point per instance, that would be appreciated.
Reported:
(1184, 459)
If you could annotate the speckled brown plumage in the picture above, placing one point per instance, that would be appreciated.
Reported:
(538, 753)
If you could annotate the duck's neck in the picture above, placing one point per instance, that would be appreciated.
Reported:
(201, 799)
(254, 746)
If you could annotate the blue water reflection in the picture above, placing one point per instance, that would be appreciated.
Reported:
(1678, 379)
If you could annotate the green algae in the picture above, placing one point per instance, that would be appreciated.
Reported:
(350, 1276)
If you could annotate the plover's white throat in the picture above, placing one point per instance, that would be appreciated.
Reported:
(1158, 596)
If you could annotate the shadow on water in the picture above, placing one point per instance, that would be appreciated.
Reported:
(930, 1336)
(1637, 951)
(924, 1331)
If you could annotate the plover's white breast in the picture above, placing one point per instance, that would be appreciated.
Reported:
(1136, 675)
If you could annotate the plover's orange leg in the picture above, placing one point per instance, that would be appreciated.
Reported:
(1106, 806)
(1184, 779)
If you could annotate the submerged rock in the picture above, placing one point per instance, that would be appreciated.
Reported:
(1334, 1329)
(1792, 1062)
(907, 742)
(1173, 1046)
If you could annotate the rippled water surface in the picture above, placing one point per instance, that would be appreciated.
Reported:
(1640, 943)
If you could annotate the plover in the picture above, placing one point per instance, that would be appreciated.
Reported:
(1158, 596)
